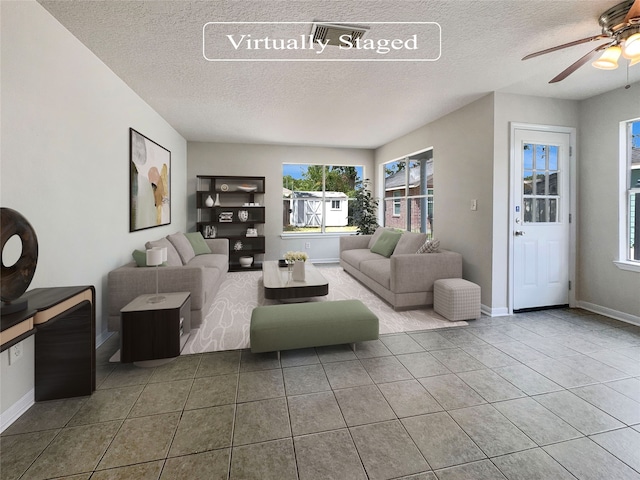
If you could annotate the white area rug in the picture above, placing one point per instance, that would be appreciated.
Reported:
(226, 326)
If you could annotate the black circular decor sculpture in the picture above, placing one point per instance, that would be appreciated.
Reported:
(17, 277)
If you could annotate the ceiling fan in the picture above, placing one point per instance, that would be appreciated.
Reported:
(621, 32)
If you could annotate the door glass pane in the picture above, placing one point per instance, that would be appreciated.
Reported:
(527, 185)
(541, 157)
(541, 210)
(528, 210)
(553, 209)
(553, 183)
(541, 184)
(528, 156)
(553, 157)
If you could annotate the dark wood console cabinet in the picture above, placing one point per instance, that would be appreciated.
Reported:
(63, 321)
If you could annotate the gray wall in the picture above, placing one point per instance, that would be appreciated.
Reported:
(266, 161)
(601, 284)
(65, 164)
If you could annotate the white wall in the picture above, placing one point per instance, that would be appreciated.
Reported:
(601, 284)
(267, 160)
(65, 159)
(463, 167)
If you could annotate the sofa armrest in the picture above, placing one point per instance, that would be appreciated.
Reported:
(416, 272)
(129, 281)
(218, 245)
(352, 242)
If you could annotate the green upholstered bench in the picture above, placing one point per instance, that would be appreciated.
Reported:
(311, 324)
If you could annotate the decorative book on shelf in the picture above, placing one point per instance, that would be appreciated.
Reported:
(233, 208)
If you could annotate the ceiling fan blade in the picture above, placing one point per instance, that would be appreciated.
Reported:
(634, 12)
(567, 45)
(576, 65)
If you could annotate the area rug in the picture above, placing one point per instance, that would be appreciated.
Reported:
(226, 326)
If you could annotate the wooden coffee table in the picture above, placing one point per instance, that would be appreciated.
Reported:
(278, 284)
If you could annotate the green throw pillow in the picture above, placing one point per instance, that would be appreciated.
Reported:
(140, 256)
(386, 243)
(198, 243)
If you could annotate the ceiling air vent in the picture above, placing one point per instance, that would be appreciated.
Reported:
(330, 33)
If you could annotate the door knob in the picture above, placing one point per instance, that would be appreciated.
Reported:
(519, 233)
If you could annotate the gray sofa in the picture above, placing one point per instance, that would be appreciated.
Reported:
(201, 275)
(405, 279)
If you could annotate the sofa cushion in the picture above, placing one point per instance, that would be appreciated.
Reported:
(198, 243)
(430, 246)
(211, 260)
(378, 270)
(410, 243)
(183, 246)
(386, 243)
(356, 256)
(173, 259)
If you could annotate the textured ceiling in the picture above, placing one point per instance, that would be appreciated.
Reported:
(156, 47)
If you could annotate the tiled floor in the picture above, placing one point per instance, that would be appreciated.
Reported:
(547, 395)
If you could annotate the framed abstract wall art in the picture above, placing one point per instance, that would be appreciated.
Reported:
(150, 183)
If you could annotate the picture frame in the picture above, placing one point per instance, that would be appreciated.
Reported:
(149, 183)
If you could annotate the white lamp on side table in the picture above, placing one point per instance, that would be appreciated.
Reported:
(155, 257)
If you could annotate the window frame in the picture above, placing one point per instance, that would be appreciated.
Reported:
(626, 190)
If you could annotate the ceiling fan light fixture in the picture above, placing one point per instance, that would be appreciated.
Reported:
(631, 47)
(634, 61)
(609, 58)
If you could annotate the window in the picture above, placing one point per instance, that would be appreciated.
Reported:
(630, 203)
(540, 187)
(317, 198)
(397, 203)
(408, 193)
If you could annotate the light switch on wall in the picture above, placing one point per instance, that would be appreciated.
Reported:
(474, 204)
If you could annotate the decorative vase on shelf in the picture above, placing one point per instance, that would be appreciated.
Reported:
(246, 261)
(243, 215)
(298, 271)
(217, 202)
(209, 201)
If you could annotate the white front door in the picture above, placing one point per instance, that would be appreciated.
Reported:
(541, 219)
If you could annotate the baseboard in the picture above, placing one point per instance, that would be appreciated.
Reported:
(14, 412)
(608, 312)
(103, 337)
(494, 312)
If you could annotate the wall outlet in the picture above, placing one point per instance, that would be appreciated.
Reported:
(307, 245)
(15, 353)
(474, 204)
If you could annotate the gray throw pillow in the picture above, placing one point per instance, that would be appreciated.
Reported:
(410, 242)
(375, 236)
(173, 259)
(183, 247)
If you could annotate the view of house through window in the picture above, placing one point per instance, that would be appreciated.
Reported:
(633, 190)
(317, 198)
(408, 193)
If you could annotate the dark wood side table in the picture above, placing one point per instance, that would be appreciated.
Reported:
(152, 331)
(63, 321)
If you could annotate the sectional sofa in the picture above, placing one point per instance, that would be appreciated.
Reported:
(405, 278)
